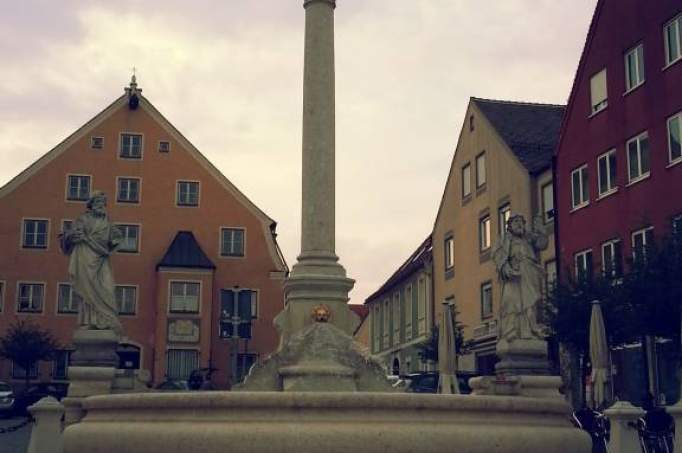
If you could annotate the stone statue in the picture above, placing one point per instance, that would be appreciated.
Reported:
(89, 243)
(522, 277)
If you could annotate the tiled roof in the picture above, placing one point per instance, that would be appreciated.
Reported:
(530, 130)
(186, 252)
(359, 310)
(423, 254)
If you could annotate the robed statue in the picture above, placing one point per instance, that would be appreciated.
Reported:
(89, 243)
(522, 277)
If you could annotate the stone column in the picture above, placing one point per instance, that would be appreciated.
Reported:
(624, 437)
(46, 435)
(317, 278)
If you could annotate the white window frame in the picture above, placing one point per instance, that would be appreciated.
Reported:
(124, 228)
(376, 327)
(449, 251)
(678, 117)
(584, 183)
(164, 146)
(185, 284)
(675, 24)
(422, 301)
(466, 180)
(643, 233)
(484, 233)
(31, 302)
(597, 103)
(481, 176)
(34, 246)
(231, 253)
(484, 288)
(503, 216)
(187, 202)
(386, 315)
(397, 321)
(616, 267)
(119, 305)
(608, 178)
(545, 211)
(119, 192)
(120, 145)
(641, 174)
(72, 304)
(408, 312)
(94, 142)
(196, 364)
(79, 187)
(636, 56)
(582, 258)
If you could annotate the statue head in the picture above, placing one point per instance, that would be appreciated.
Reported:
(97, 203)
(516, 225)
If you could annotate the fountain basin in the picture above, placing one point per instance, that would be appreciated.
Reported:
(328, 422)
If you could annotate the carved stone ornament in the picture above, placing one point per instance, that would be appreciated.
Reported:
(321, 313)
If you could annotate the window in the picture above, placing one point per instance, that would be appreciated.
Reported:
(503, 215)
(30, 297)
(548, 202)
(583, 265)
(188, 193)
(238, 307)
(634, 68)
(181, 362)
(486, 300)
(96, 142)
(376, 327)
(232, 242)
(641, 241)
(480, 170)
(131, 146)
(244, 364)
(675, 138)
(66, 225)
(612, 259)
(19, 372)
(638, 157)
(128, 190)
(581, 191)
(449, 253)
(68, 301)
(78, 188)
(387, 322)
(484, 233)
(408, 312)
(184, 297)
(550, 275)
(164, 146)
(130, 238)
(35, 234)
(421, 306)
(598, 91)
(606, 167)
(396, 318)
(471, 123)
(60, 364)
(2, 296)
(673, 40)
(466, 180)
(126, 299)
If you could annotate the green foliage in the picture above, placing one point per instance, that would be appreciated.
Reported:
(26, 343)
(428, 350)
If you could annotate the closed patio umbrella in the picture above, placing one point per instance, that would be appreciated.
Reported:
(447, 351)
(599, 355)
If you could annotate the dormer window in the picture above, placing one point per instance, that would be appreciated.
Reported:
(164, 146)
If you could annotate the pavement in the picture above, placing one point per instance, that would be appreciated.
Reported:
(17, 441)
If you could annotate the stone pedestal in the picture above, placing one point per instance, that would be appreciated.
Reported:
(529, 386)
(46, 435)
(676, 412)
(522, 357)
(95, 348)
(624, 437)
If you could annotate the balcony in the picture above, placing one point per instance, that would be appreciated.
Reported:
(485, 330)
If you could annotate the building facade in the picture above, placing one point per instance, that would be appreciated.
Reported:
(401, 315)
(198, 260)
(501, 166)
(619, 159)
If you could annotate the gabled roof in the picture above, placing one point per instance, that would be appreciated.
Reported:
(423, 254)
(185, 252)
(531, 131)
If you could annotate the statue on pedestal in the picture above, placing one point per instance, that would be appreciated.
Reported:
(522, 276)
(89, 243)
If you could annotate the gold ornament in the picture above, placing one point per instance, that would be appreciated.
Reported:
(321, 313)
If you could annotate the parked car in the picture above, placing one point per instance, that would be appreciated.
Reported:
(428, 382)
(38, 391)
(171, 385)
(6, 399)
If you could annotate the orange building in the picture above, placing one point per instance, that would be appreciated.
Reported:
(196, 252)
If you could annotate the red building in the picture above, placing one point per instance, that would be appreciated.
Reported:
(619, 159)
(196, 251)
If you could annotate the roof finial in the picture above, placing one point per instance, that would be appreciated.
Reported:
(132, 89)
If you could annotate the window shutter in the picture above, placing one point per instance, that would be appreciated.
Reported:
(598, 89)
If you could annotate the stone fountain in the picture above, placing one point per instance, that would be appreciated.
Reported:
(320, 391)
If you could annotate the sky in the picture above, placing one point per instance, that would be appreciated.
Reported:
(228, 74)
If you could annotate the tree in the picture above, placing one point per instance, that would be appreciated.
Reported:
(26, 343)
(428, 350)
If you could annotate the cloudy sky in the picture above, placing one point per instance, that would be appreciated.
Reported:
(228, 75)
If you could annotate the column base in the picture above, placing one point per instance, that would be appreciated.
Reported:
(522, 357)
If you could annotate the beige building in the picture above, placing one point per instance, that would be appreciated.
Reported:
(502, 165)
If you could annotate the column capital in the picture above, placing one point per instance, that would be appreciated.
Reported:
(332, 3)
